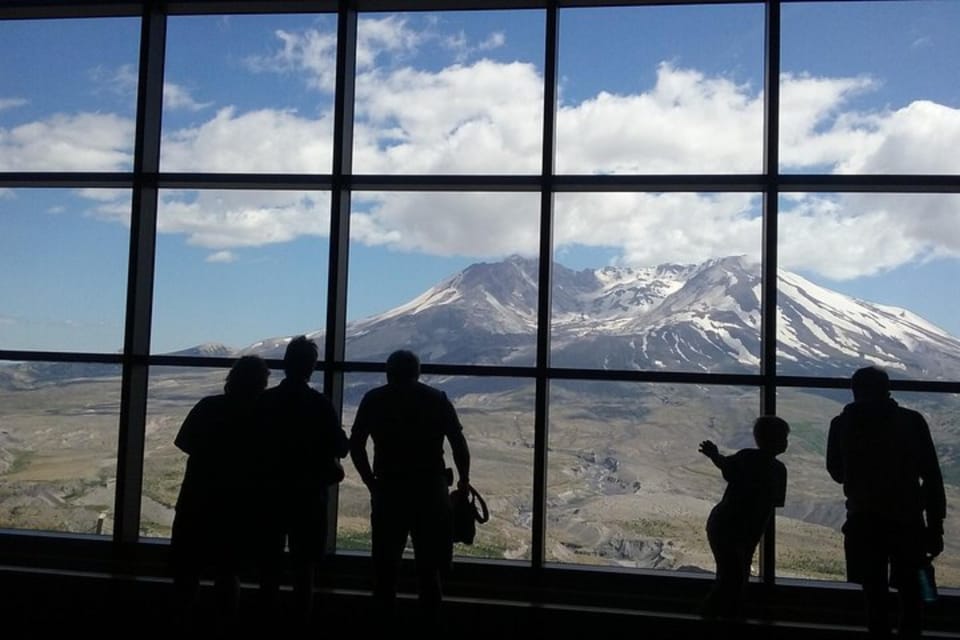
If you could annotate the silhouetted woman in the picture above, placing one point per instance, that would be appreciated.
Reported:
(216, 436)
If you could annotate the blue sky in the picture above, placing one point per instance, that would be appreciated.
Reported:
(866, 89)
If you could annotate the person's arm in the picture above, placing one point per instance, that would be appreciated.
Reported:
(780, 495)
(338, 441)
(458, 445)
(934, 497)
(835, 451)
(710, 449)
(189, 438)
(358, 445)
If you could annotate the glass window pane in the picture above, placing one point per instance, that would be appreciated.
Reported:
(942, 412)
(864, 87)
(660, 90)
(452, 92)
(171, 393)
(869, 279)
(63, 269)
(626, 485)
(497, 417)
(809, 542)
(68, 94)
(239, 270)
(58, 440)
(446, 275)
(653, 281)
(249, 94)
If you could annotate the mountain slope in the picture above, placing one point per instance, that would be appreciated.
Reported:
(702, 317)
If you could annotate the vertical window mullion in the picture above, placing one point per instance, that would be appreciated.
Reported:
(768, 329)
(545, 280)
(335, 336)
(143, 230)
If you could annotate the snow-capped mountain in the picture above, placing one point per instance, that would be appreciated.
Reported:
(703, 317)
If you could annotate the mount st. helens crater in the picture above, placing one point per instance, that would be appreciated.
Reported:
(691, 318)
(699, 318)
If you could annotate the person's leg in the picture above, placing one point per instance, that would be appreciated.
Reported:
(865, 547)
(432, 533)
(185, 559)
(906, 561)
(388, 538)
(269, 550)
(308, 539)
(722, 599)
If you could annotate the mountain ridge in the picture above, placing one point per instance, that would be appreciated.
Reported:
(689, 317)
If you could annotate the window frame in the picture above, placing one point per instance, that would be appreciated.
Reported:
(146, 179)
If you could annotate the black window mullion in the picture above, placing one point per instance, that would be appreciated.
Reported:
(768, 285)
(143, 230)
(336, 325)
(545, 285)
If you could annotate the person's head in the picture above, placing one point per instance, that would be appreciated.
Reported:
(870, 383)
(247, 377)
(403, 366)
(300, 358)
(770, 433)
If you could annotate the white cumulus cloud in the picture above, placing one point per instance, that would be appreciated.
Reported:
(484, 117)
(222, 257)
(69, 142)
(12, 103)
(176, 96)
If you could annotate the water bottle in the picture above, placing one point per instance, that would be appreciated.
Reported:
(928, 583)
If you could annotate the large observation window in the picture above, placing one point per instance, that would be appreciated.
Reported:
(600, 258)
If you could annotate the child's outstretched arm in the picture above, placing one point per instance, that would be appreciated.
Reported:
(709, 449)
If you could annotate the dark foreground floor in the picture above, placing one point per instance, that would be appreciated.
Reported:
(40, 604)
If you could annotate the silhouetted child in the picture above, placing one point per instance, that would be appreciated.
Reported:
(756, 484)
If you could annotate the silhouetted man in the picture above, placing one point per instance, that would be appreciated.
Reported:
(408, 421)
(884, 457)
(302, 438)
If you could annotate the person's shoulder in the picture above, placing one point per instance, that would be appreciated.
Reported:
(211, 403)
(271, 392)
(427, 391)
(376, 394)
(911, 414)
(844, 416)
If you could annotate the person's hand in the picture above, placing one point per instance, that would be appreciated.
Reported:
(463, 484)
(709, 449)
(933, 540)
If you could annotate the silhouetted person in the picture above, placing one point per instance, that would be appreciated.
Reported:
(210, 509)
(408, 421)
(884, 456)
(301, 438)
(756, 485)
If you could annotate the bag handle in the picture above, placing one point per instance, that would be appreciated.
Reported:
(483, 514)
